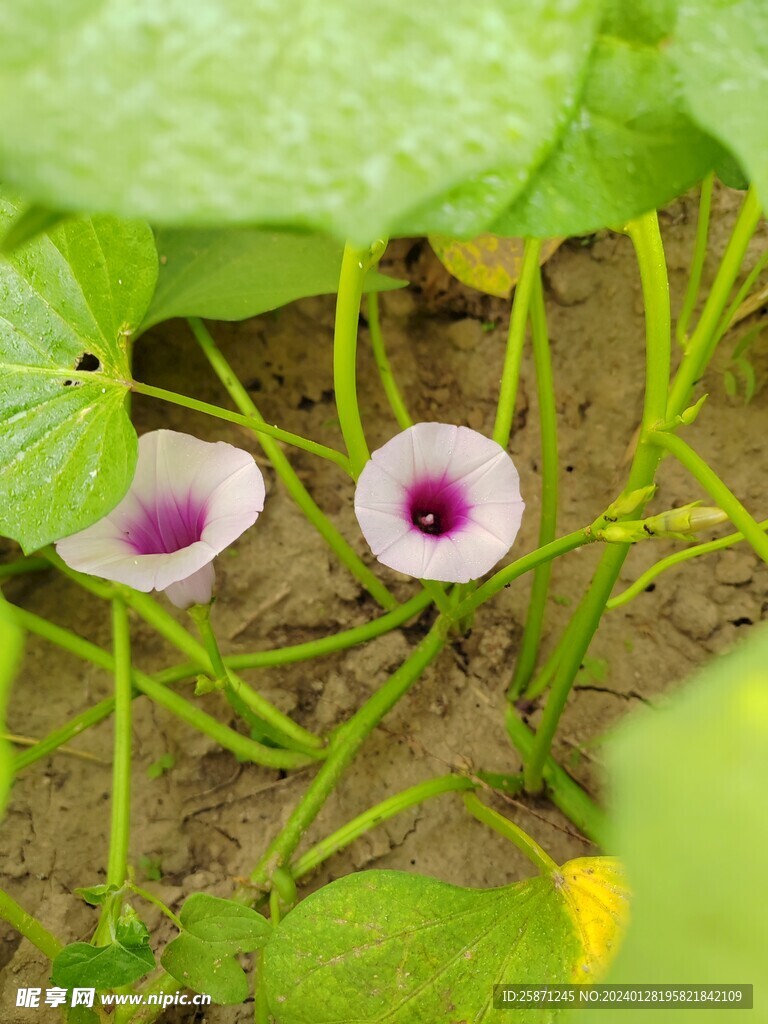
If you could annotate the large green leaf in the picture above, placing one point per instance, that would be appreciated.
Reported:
(340, 116)
(631, 145)
(689, 794)
(721, 51)
(235, 273)
(67, 448)
(406, 949)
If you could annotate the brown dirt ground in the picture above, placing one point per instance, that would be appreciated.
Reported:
(205, 822)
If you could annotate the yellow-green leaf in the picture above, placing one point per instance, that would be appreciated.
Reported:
(487, 263)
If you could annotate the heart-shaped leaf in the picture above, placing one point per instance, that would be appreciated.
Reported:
(203, 956)
(338, 116)
(631, 145)
(689, 784)
(127, 958)
(224, 922)
(240, 272)
(69, 303)
(387, 946)
(720, 48)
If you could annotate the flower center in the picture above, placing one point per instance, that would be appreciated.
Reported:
(167, 527)
(437, 508)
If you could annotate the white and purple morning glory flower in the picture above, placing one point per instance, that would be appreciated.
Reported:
(188, 501)
(439, 502)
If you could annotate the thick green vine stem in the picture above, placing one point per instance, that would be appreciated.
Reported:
(286, 472)
(165, 624)
(391, 390)
(374, 816)
(529, 644)
(344, 747)
(697, 263)
(241, 746)
(321, 450)
(117, 866)
(645, 235)
(355, 264)
(564, 792)
(518, 321)
(704, 338)
(512, 832)
(312, 648)
(28, 926)
(714, 486)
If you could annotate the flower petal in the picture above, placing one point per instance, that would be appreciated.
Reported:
(423, 462)
(195, 589)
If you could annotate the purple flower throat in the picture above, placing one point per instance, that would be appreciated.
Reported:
(168, 527)
(437, 507)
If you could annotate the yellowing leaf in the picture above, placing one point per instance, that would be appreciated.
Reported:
(597, 899)
(385, 946)
(487, 263)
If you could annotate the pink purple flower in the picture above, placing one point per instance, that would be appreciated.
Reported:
(439, 502)
(188, 501)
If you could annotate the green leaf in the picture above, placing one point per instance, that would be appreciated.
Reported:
(10, 657)
(720, 48)
(96, 895)
(203, 956)
(31, 222)
(205, 968)
(631, 145)
(163, 764)
(124, 960)
(689, 784)
(240, 272)
(334, 116)
(388, 946)
(224, 922)
(69, 299)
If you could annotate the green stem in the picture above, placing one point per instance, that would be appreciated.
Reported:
(388, 381)
(529, 645)
(642, 582)
(165, 624)
(91, 716)
(346, 743)
(511, 831)
(243, 421)
(717, 490)
(117, 865)
(564, 792)
(374, 816)
(21, 566)
(518, 321)
(241, 746)
(697, 264)
(28, 926)
(354, 266)
(740, 296)
(438, 595)
(645, 235)
(312, 648)
(150, 898)
(704, 338)
(237, 694)
(511, 572)
(287, 474)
